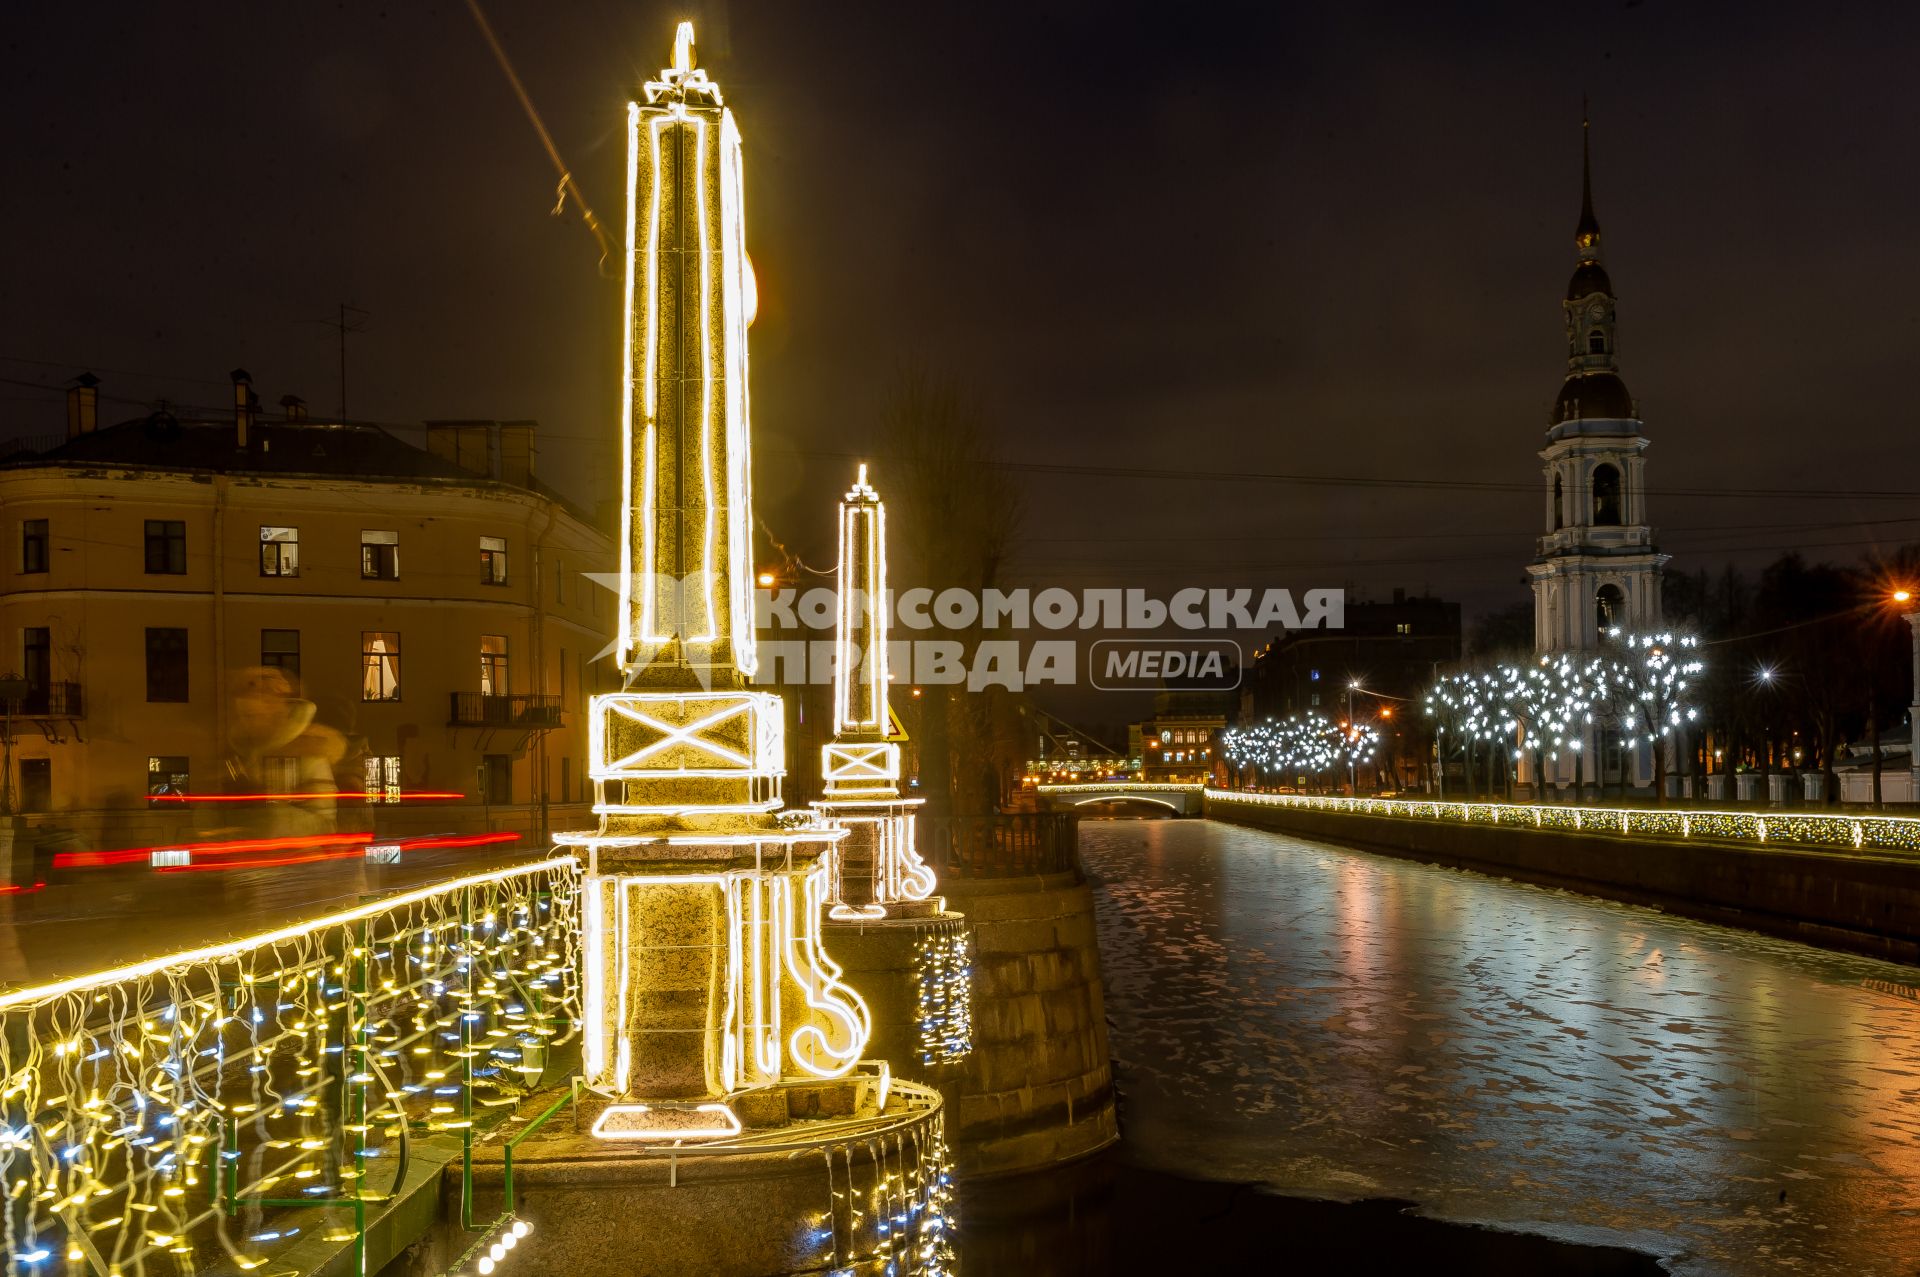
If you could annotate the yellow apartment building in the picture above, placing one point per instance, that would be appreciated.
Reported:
(200, 609)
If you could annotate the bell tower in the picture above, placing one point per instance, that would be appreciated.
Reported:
(1595, 565)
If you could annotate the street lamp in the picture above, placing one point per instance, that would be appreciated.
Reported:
(1903, 598)
(1353, 781)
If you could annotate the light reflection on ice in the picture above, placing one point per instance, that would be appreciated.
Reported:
(1340, 1024)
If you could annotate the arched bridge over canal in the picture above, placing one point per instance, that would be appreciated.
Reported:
(1147, 797)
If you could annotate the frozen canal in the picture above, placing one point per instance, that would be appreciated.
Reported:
(1330, 1023)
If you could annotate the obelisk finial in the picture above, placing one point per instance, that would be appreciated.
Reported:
(683, 49)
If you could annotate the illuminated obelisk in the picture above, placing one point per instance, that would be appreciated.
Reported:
(703, 972)
(877, 872)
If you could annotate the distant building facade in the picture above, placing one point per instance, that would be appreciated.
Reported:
(260, 606)
(1391, 649)
(1181, 742)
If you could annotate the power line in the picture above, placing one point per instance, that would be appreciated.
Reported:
(567, 184)
(1141, 473)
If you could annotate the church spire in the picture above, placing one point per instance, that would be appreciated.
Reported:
(1586, 236)
(1593, 389)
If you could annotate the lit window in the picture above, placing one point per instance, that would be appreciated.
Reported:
(493, 560)
(493, 665)
(166, 774)
(379, 665)
(280, 774)
(380, 556)
(279, 551)
(33, 545)
(383, 778)
(166, 547)
(1405, 627)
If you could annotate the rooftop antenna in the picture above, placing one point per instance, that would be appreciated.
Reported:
(348, 319)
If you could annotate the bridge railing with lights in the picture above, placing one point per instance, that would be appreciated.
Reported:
(1833, 831)
(258, 1102)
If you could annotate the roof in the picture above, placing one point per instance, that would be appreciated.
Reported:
(308, 449)
(162, 441)
(1593, 395)
(1588, 278)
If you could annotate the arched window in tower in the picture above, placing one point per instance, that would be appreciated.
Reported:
(1596, 342)
(1559, 504)
(1606, 496)
(1609, 608)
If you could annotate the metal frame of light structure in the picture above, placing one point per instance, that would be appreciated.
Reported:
(861, 767)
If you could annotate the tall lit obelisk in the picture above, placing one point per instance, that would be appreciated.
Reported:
(703, 972)
(877, 872)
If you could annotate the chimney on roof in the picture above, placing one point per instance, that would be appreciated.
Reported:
(513, 456)
(83, 405)
(246, 405)
(294, 407)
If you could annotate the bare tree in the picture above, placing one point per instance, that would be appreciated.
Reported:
(953, 516)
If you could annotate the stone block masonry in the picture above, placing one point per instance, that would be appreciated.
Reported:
(1037, 1089)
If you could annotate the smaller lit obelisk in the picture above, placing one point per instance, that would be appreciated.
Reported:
(703, 974)
(877, 872)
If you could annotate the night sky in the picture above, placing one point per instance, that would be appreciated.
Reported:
(1326, 240)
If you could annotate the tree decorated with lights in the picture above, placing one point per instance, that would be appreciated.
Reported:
(1650, 678)
(1299, 747)
(1551, 703)
(1471, 720)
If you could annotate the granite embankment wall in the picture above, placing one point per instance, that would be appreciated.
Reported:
(1037, 1089)
(1859, 901)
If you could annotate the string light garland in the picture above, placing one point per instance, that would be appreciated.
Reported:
(943, 979)
(1859, 833)
(1123, 786)
(225, 1103)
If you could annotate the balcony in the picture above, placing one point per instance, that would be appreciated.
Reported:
(528, 711)
(52, 700)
